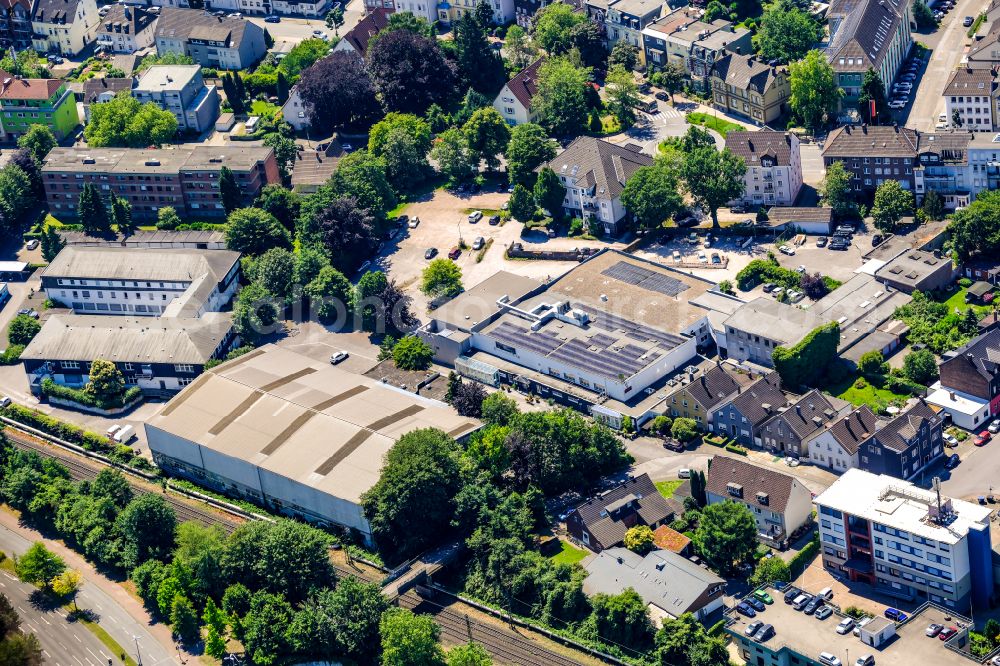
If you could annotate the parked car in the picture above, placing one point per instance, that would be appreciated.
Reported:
(994, 427)
(822, 241)
(860, 625)
(475, 216)
(768, 287)
(454, 253)
(814, 605)
(764, 633)
(784, 249)
(112, 429)
(662, 96)
(895, 615)
(845, 625)
(686, 221)
(676, 255)
(967, 22)
(762, 595)
(982, 438)
(952, 462)
(756, 604)
(716, 259)
(494, 220)
(791, 593)
(413, 223)
(753, 627)
(933, 630)
(801, 601)
(828, 659)
(124, 435)
(950, 440)
(746, 609)
(865, 660)
(272, 19)
(430, 253)
(338, 357)
(897, 104)
(823, 612)
(32, 244)
(947, 633)
(478, 243)
(28, 312)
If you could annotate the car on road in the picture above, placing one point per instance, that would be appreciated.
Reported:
(933, 630)
(994, 427)
(784, 249)
(895, 615)
(753, 627)
(845, 625)
(338, 357)
(950, 440)
(430, 253)
(662, 96)
(272, 19)
(317, 32)
(454, 253)
(823, 612)
(967, 22)
(947, 633)
(746, 609)
(478, 243)
(413, 223)
(762, 595)
(982, 438)
(952, 462)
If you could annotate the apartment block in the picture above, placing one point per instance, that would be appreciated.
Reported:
(212, 41)
(27, 102)
(181, 90)
(126, 29)
(750, 88)
(908, 542)
(774, 166)
(63, 26)
(185, 178)
(15, 24)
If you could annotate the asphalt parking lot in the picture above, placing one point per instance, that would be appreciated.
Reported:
(838, 264)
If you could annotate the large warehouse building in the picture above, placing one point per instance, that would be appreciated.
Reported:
(291, 433)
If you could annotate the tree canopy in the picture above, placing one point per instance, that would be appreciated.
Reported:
(410, 72)
(125, 122)
(338, 92)
(726, 535)
(786, 33)
(814, 90)
(560, 101)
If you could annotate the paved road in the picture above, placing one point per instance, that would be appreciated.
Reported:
(294, 30)
(948, 44)
(119, 624)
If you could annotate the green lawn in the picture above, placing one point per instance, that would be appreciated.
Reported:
(264, 109)
(569, 554)
(957, 302)
(668, 488)
(720, 125)
(873, 396)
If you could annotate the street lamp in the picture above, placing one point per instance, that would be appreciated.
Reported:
(459, 225)
(138, 656)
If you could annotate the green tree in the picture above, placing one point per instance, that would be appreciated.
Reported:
(15, 196)
(121, 216)
(873, 88)
(549, 192)
(470, 654)
(560, 100)
(264, 627)
(330, 294)
(92, 212)
(409, 639)
(684, 429)
(285, 152)
(653, 194)
(335, 18)
(479, 65)
(253, 231)
(412, 353)
(933, 205)
(552, 26)
(342, 621)
(254, 312)
(363, 176)
(923, 15)
(836, 191)
(520, 50)
(145, 529)
(589, 42)
(639, 539)
(625, 55)
(281, 202)
(892, 202)
(418, 482)
(22, 330)
(488, 135)
(415, 126)
(975, 229)
(920, 367)
(872, 363)
(684, 641)
(38, 140)
(281, 87)
(167, 218)
(770, 570)
(453, 155)
(215, 625)
(107, 383)
(441, 277)
(713, 178)
(303, 55)
(184, 620)
(403, 141)
(671, 78)
(498, 409)
(229, 190)
(815, 94)
(125, 122)
(786, 33)
(39, 565)
(621, 619)
(805, 363)
(726, 535)
(622, 93)
(529, 148)
(52, 243)
(522, 204)
(274, 271)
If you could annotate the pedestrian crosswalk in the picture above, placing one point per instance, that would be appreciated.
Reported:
(668, 111)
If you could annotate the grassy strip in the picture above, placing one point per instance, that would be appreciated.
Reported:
(975, 25)
(720, 125)
(569, 554)
(482, 252)
(668, 488)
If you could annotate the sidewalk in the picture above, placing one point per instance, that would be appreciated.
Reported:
(121, 615)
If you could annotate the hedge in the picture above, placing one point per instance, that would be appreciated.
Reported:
(11, 355)
(81, 397)
(713, 440)
(763, 270)
(737, 449)
(802, 559)
(805, 363)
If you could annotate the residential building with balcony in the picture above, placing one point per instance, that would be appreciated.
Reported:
(972, 94)
(27, 102)
(626, 20)
(743, 415)
(15, 24)
(681, 38)
(749, 88)
(155, 313)
(873, 154)
(212, 41)
(594, 173)
(907, 542)
(181, 90)
(513, 102)
(127, 29)
(774, 166)
(969, 385)
(943, 166)
(863, 35)
(63, 26)
(185, 178)
(780, 503)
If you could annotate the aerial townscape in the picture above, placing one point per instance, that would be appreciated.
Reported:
(513, 332)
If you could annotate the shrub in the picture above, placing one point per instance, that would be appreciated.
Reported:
(412, 353)
(964, 282)
(805, 363)
(737, 449)
(860, 383)
(684, 429)
(661, 425)
(763, 270)
(802, 559)
(89, 399)
(11, 355)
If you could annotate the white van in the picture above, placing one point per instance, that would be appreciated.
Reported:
(828, 659)
(826, 593)
(801, 601)
(124, 434)
(113, 430)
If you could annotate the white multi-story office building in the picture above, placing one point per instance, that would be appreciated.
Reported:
(906, 541)
(970, 98)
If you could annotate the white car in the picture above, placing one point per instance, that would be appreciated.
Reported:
(784, 249)
(702, 257)
(943, 118)
(950, 440)
(791, 462)
(801, 268)
(32, 244)
(897, 104)
(338, 357)
(478, 243)
(413, 223)
(677, 256)
(941, 125)
(994, 427)
(845, 625)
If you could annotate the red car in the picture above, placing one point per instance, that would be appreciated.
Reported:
(982, 438)
(454, 253)
(947, 633)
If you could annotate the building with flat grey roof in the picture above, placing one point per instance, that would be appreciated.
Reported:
(669, 584)
(181, 90)
(293, 434)
(917, 270)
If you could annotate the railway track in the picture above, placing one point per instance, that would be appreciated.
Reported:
(505, 646)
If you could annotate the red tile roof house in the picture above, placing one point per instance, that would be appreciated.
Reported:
(514, 100)
(601, 522)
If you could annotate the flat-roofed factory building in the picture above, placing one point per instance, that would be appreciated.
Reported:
(291, 433)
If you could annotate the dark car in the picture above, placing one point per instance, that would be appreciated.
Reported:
(746, 609)
(453, 254)
(813, 605)
(876, 240)
(967, 21)
(272, 19)
(687, 221)
(494, 220)
(791, 593)
(430, 253)
(757, 604)
(952, 461)
(662, 96)
(764, 633)
(823, 240)
(895, 615)
(769, 287)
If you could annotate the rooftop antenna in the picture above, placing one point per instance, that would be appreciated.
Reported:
(936, 484)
